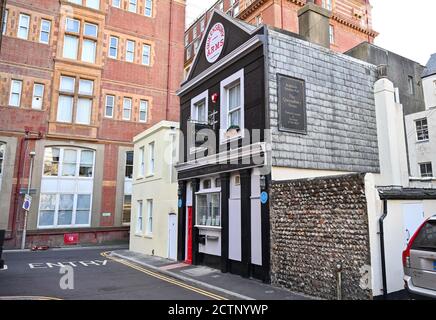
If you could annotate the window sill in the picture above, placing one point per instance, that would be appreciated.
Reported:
(423, 141)
(208, 227)
(150, 175)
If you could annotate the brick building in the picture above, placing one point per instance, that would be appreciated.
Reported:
(78, 80)
(350, 20)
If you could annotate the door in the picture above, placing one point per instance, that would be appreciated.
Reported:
(172, 236)
(189, 238)
(413, 217)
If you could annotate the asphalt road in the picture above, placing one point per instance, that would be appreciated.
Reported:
(95, 277)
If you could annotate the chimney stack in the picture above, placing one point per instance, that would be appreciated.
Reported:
(314, 22)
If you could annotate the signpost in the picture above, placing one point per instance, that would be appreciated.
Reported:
(292, 104)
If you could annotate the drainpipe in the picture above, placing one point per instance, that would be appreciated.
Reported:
(21, 161)
(169, 59)
(382, 248)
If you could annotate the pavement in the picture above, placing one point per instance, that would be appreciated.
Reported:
(229, 284)
(114, 273)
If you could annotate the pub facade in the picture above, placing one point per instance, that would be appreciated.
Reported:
(262, 106)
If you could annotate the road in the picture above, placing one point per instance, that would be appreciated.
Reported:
(95, 277)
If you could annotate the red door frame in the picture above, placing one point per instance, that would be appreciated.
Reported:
(189, 240)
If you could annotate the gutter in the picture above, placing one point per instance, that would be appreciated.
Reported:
(382, 248)
(169, 59)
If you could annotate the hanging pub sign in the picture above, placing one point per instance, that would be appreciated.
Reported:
(215, 42)
(292, 104)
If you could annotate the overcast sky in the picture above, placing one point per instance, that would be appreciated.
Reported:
(406, 27)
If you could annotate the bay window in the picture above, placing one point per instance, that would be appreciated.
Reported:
(70, 97)
(74, 35)
(208, 209)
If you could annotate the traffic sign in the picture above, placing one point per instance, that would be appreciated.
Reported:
(27, 202)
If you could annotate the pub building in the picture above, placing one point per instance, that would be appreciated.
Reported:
(281, 109)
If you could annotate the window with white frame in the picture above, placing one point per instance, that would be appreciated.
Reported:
(5, 22)
(196, 46)
(64, 210)
(199, 108)
(72, 96)
(221, 6)
(143, 110)
(426, 170)
(73, 34)
(133, 5)
(327, 4)
(146, 49)
(2, 157)
(151, 158)
(208, 209)
(186, 39)
(148, 9)
(23, 26)
(422, 129)
(232, 100)
(15, 95)
(38, 96)
(202, 24)
(194, 32)
(139, 219)
(113, 47)
(93, 4)
(130, 50)
(332, 34)
(127, 108)
(44, 34)
(142, 162)
(149, 230)
(61, 208)
(109, 107)
(68, 162)
(116, 3)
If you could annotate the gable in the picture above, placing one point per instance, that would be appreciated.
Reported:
(234, 36)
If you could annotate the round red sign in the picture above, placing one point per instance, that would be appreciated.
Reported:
(215, 42)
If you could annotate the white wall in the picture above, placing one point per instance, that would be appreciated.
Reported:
(235, 220)
(429, 87)
(256, 219)
(421, 151)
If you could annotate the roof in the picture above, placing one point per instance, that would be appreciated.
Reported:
(407, 194)
(430, 68)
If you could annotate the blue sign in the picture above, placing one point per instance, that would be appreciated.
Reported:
(264, 197)
(180, 203)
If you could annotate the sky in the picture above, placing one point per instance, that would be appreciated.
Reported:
(406, 27)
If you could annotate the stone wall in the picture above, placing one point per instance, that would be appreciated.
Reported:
(341, 120)
(316, 223)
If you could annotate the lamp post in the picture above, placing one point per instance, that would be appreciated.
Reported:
(26, 212)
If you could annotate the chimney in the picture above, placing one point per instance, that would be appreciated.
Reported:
(314, 22)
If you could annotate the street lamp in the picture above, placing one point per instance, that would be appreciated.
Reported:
(26, 212)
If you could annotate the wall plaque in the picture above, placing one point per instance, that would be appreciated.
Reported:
(292, 104)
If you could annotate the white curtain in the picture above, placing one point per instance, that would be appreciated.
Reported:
(71, 46)
(65, 109)
(83, 115)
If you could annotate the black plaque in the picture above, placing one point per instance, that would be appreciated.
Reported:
(292, 104)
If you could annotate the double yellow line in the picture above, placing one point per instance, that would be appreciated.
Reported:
(165, 278)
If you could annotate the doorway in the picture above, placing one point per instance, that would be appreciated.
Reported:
(172, 236)
(413, 217)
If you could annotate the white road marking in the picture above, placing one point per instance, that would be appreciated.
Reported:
(84, 263)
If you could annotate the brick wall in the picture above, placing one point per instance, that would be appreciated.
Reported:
(316, 223)
(341, 120)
